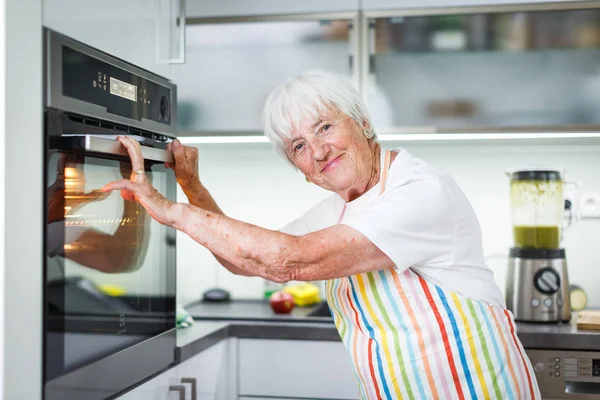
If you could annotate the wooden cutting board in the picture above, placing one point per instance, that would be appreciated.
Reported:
(588, 320)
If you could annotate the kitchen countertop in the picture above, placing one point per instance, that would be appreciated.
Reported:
(251, 310)
(204, 334)
(254, 319)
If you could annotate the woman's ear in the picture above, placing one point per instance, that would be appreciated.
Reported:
(366, 129)
(366, 125)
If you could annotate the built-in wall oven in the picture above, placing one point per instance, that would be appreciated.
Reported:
(110, 276)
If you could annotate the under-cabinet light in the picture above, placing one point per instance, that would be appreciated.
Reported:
(403, 137)
(222, 139)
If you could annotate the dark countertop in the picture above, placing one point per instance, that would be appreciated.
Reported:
(252, 310)
(204, 334)
(254, 319)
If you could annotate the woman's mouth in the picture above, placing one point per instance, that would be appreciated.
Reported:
(332, 164)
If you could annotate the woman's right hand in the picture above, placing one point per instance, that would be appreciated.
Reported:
(185, 167)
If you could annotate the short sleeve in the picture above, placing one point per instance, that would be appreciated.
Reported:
(321, 216)
(413, 224)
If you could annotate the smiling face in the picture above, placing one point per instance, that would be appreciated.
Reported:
(333, 153)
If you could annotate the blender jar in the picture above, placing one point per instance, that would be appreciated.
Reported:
(537, 208)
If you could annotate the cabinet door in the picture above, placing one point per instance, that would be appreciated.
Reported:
(229, 8)
(370, 5)
(525, 71)
(232, 67)
(264, 398)
(296, 369)
(212, 372)
(141, 32)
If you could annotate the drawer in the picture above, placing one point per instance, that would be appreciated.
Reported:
(295, 368)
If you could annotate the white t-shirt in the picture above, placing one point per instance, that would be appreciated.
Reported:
(422, 221)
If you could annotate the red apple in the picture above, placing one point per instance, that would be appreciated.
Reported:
(281, 302)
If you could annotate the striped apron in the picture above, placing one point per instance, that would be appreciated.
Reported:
(410, 339)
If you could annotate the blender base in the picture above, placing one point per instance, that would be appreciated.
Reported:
(537, 285)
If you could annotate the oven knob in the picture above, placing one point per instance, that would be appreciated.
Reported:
(539, 367)
(546, 281)
(164, 109)
(535, 302)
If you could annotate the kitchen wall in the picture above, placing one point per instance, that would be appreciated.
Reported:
(252, 184)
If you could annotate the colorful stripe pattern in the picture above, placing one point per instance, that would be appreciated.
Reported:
(410, 339)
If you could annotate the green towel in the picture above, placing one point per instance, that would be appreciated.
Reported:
(183, 318)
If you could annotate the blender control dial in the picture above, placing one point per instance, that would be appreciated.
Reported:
(547, 281)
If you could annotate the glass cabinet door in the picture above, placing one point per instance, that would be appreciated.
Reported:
(486, 71)
(232, 67)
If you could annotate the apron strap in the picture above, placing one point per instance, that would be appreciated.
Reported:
(384, 173)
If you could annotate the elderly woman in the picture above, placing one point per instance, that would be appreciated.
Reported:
(398, 243)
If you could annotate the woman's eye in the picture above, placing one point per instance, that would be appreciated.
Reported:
(298, 147)
(326, 127)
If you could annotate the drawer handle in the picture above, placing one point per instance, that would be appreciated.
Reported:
(178, 388)
(193, 383)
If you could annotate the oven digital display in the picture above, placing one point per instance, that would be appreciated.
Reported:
(122, 89)
(595, 367)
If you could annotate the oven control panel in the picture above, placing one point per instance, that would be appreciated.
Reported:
(566, 374)
(82, 80)
(120, 91)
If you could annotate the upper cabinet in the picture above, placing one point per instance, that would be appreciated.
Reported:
(232, 66)
(457, 70)
(147, 33)
(238, 8)
(369, 5)
(422, 66)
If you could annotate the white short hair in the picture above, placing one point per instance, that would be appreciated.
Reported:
(308, 95)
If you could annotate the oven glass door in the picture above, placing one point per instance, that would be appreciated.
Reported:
(110, 268)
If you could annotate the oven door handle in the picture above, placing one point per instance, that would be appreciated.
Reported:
(108, 146)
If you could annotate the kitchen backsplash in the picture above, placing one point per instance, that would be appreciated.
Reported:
(251, 183)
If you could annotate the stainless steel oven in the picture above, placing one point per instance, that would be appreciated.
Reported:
(109, 292)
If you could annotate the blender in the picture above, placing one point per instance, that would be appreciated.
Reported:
(537, 281)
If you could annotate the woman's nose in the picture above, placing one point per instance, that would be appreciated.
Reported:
(320, 150)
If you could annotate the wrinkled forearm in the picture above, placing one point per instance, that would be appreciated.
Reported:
(200, 197)
(253, 250)
(334, 252)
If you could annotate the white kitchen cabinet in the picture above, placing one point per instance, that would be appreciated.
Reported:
(263, 398)
(145, 33)
(295, 368)
(213, 371)
(370, 5)
(212, 374)
(234, 8)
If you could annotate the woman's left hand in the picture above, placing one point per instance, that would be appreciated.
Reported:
(138, 187)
